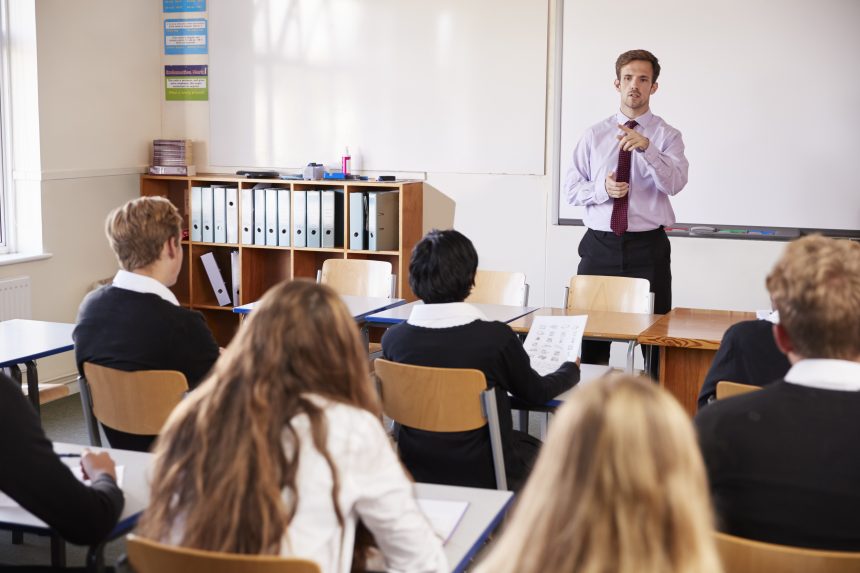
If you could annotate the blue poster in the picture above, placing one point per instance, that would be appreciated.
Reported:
(186, 36)
(184, 5)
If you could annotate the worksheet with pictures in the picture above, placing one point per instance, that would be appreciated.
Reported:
(553, 340)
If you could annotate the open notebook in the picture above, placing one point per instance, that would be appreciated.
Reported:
(443, 515)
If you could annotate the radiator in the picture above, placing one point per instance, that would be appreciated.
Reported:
(15, 298)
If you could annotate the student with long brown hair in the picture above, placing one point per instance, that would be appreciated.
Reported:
(619, 486)
(282, 451)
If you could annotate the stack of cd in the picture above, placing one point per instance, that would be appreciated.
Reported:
(172, 157)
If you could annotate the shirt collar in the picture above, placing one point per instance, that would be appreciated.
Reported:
(143, 284)
(826, 374)
(642, 120)
(444, 315)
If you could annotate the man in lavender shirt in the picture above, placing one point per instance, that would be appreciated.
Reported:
(658, 170)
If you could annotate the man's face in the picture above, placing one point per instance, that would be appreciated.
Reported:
(636, 86)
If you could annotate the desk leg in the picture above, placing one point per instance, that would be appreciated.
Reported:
(631, 346)
(682, 371)
(58, 551)
(33, 384)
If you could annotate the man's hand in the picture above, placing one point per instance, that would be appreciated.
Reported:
(615, 189)
(95, 464)
(632, 139)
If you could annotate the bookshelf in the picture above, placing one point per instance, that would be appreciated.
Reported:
(263, 266)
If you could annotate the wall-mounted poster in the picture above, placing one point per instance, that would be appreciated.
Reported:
(185, 36)
(186, 83)
(171, 6)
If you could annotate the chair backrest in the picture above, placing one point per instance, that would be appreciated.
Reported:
(441, 400)
(499, 287)
(146, 556)
(617, 294)
(747, 556)
(726, 389)
(133, 402)
(358, 277)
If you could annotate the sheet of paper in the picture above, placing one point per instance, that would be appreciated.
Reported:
(6, 501)
(443, 515)
(553, 340)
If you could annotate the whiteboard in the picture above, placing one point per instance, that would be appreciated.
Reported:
(764, 92)
(409, 85)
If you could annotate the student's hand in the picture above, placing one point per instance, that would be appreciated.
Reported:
(632, 139)
(615, 189)
(578, 361)
(95, 464)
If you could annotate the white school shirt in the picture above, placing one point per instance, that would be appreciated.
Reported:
(826, 374)
(143, 284)
(444, 315)
(373, 488)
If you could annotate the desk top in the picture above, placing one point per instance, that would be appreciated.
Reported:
(135, 486)
(24, 340)
(601, 323)
(693, 328)
(486, 509)
(359, 306)
(500, 312)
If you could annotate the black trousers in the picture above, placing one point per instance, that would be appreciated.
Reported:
(643, 255)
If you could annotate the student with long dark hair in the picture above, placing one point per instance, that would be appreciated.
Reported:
(282, 450)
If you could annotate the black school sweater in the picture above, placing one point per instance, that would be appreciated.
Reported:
(784, 465)
(130, 331)
(465, 458)
(32, 475)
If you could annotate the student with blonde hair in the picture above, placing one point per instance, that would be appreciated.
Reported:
(136, 323)
(282, 450)
(784, 462)
(619, 486)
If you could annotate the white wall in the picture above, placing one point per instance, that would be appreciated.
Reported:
(99, 98)
(508, 217)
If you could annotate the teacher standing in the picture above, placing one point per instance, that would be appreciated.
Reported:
(624, 170)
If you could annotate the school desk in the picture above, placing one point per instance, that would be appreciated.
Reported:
(688, 340)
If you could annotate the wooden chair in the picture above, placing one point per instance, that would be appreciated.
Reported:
(132, 402)
(359, 277)
(50, 392)
(741, 555)
(726, 389)
(442, 400)
(499, 287)
(147, 556)
(617, 294)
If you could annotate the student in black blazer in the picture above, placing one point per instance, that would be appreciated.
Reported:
(449, 333)
(136, 323)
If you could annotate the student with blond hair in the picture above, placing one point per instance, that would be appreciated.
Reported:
(784, 462)
(619, 486)
(136, 322)
(282, 450)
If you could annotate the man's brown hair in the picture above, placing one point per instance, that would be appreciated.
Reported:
(138, 230)
(632, 55)
(815, 286)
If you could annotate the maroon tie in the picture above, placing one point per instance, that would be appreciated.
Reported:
(618, 221)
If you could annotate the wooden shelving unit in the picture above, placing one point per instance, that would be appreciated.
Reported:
(264, 266)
